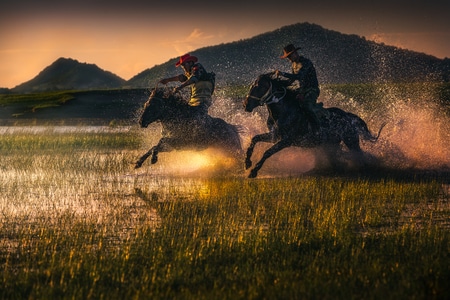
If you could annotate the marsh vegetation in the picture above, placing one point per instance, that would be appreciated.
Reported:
(77, 222)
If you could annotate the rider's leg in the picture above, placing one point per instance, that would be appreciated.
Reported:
(312, 117)
(199, 114)
(309, 101)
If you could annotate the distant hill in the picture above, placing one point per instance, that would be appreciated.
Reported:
(339, 58)
(69, 74)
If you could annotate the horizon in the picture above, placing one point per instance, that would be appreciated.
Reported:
(128, 39)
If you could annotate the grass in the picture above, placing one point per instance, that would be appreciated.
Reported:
(346, 96)
(77, 222)
(37, 101)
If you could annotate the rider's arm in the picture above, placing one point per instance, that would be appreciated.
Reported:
(306, 67)
(288, 75)
(189, 81)
(291, 78)
(179, 78)
(196, 73)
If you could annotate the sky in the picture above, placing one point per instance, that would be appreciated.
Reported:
(128, 36)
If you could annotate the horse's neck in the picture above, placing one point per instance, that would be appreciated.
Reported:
(275, 110)
(287, 105)
(174, 109)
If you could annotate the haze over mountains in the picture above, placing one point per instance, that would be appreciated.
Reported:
(339, 58)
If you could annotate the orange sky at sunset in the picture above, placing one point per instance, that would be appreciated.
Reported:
(127, 37)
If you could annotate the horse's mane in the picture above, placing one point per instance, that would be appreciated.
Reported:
(267, 75)
(164, 93)
(277, 81)
(279, 84)
(167, 94)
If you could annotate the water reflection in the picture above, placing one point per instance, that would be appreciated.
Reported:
(62, 129)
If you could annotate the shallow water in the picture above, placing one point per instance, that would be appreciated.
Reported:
(62, 129)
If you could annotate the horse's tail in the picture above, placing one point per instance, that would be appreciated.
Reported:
(379, 131)
(363, 129)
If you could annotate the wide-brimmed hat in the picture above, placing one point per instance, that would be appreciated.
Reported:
(185, 58)
(288, 50)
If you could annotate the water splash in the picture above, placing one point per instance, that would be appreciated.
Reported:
(416, 135)
(417, 131)
(420, 134)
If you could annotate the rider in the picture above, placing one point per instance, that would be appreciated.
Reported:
(201, 82)
(303, 80)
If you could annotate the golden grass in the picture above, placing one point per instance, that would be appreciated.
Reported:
(78, 222)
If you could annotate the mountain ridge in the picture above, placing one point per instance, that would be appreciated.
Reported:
(70, 74)
(338, 58)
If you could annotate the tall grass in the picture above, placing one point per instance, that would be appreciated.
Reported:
(77, 222)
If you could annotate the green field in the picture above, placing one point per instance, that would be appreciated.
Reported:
(78, 222)
(103, 107)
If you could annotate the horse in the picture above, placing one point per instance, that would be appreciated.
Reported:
(288, 124)
(180, 130)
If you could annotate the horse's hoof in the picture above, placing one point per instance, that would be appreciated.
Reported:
(252, 174)
(138, 165)
(154, 160)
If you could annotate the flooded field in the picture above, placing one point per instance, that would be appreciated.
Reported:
(77, 220)
(61, 129)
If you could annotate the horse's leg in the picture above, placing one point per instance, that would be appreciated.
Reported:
(356, 156)
(162, 146)
(269, 152)
(333, 157)
(264, 137)
(351, 140)
(141, 160)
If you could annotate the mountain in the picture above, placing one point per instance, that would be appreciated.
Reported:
(338, 58)
(69, 74)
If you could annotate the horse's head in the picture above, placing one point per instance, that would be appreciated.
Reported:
(153, 107)
(262, 92)
(162, 105)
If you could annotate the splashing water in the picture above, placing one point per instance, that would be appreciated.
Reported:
(416, 136)
(417, 133)
(421, 134)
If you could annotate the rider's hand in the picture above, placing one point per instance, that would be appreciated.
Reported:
(278, 73)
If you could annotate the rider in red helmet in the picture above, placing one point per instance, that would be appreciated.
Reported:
(303, 80)
(201, 82)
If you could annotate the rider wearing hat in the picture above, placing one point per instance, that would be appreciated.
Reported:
(201, 82)
(303, 80)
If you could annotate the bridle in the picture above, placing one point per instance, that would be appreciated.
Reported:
(269, 96)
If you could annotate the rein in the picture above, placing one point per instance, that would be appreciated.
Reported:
(153, 93)
(268, 97)
(262, 100)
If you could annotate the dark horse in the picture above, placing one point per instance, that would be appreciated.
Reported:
(180, 130)
(289, 126)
